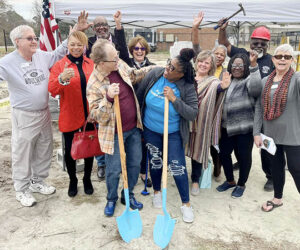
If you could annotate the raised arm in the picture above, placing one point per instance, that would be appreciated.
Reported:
(195, 33)
(254, 84)
(223, 35)
(120, 38)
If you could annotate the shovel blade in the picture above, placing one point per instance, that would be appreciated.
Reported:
(163, 230)
(130, 225)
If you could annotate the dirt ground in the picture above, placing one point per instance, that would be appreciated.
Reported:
(60, 222)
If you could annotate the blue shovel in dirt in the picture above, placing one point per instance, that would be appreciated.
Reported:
(164, 224)
(129, 223)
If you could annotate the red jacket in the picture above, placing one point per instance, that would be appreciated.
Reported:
(71, 116)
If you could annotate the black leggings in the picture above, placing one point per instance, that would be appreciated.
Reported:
(70, 163)
(278, 167)
(244, 144)
(196, 171)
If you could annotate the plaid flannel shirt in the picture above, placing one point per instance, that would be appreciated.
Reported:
(102, 111)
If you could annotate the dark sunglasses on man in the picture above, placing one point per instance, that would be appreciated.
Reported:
(286, 57)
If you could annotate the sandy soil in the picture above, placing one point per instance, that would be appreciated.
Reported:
(59, 222)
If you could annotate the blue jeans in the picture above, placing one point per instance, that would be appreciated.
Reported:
(100, 160)
(133, 150)
(176, 161)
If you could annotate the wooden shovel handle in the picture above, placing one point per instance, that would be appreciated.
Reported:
(165, 148)
(121, 141)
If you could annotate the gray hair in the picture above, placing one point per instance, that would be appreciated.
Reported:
(220, 46)
(18, 33)
(99, 50)
(203, 55)
(285, 48)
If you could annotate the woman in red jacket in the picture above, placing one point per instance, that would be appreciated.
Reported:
(68, 78)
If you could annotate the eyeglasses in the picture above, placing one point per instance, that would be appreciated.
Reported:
(237, 66)
(98, 25)
(116, 58)
(170, 65)
(262, 44)
(286, 57)
(139, 48)
(30, 39)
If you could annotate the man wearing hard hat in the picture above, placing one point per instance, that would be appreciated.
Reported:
(259, 42)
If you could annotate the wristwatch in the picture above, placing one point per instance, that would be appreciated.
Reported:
(61, 81)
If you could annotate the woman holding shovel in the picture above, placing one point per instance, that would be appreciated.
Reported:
(176, 83)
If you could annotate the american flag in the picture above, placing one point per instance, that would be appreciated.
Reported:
(48, 27)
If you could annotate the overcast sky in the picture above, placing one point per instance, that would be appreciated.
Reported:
(23, 7)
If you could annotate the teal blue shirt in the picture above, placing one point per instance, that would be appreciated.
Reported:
(154, 110)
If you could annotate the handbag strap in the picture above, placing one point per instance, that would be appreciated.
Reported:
(84, 127)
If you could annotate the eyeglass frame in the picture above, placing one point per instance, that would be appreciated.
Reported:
(100, 25)
(286, 57)
(237, 66)
(139, 48)
(30, 39)
(170, 65)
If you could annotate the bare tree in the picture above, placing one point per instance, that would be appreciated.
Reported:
(37, 10)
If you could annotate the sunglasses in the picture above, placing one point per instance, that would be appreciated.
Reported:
(286, 57)
(237, 66)
(262, 44)
(139, 48)
(30, 39)
(170, 65)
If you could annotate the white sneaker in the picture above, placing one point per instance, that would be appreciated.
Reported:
(157, 200)
(195, 191)
(187, 214)
(41, 187)
(26, 198)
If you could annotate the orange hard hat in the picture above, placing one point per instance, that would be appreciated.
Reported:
(261, 33)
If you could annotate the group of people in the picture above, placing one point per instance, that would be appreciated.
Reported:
(212, 111)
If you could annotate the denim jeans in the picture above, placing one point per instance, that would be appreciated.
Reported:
(133, 150)
(176, 161)
(100, 160)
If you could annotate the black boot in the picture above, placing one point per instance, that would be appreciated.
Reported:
(88, 187)
(73, 187)
(87, 184)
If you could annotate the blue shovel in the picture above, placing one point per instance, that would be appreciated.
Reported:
(129, 223)
(164, 224)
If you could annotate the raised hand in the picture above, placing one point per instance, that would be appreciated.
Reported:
(253, 55)
(82, 21)
(223, 23)
(67, 74)
(198, 19)
(226, 80)
(118, 17)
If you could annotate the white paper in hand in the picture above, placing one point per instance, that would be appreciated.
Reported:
(268, 144)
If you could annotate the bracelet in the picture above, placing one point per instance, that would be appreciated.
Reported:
(64, 83)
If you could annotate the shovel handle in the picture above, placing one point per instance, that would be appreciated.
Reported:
(121, 141)
(165, 148)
